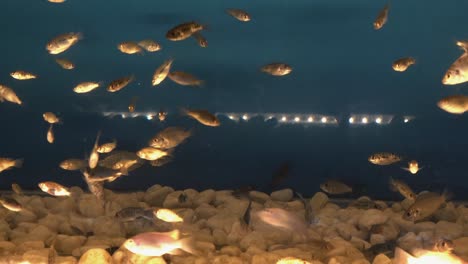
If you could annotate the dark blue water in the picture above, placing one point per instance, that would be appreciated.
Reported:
(341, 66)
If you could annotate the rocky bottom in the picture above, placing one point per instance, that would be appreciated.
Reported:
(82, 229)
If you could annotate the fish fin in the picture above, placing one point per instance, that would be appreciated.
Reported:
(188, 245)
(79, 35)
(200, 83)
(406, 169)
(463, 44)
(18, 163)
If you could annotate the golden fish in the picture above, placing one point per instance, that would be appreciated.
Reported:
(184, 78)
(150, 45)
(50, 118)
(119, 84)
(384, 158)
(150, 153)
(22, 75)
(94, 157)
(11, 204)
(54, 188)
(335, 187)
(183, 31)
(161, 72)
(63, 42)
(130, 48)
(292, 260)
(65, 64)
(162, 115)
(239, 14)
(402, 188)
(413, 167)
(425, 205)
(202, 42)
(169, 138)
(382, 18)
(6, 163)
(203, 116)
(132, 105)
(6, 93)
(454, 104)
(167, 215)
(458, 72)
(402, 64)
(86, 87)
(73, 164)
(158, 244)
(107, 147)
(277, 69)
(50, 135)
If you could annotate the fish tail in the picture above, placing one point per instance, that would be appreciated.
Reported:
(79, 35)
(18, 163)
(188, 245)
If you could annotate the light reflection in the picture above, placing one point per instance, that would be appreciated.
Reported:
(351, 120)
(364, 120)
(284, 119)
(378, 120)
(310, 119)
(245, 117)
(297, 119)
(149, 117)
(324, 120)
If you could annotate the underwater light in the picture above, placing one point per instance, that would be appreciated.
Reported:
(149, 117)
(406, 120)
(124, 116)
(245, 117)
(284, 119)
(297, 119)
(310, 119)
(365, 120)
(378, 120)
(324, 120)
(351, 120)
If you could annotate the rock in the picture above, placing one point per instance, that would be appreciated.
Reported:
(66, 244)
(64, 206)
(259, 197)
(90, 206)
(461, 246)
(230, 250)
(156, 195)
(205, 211)
(409, 242)
(347, 231)
(205, 197)
(220, 237)
(222, 221)
(95, 256)
(30, 245)
(376, 239)
(449, 213)
(448, 230)
(318, 201)
(172, 201)
(284, 195)
(37, 206)
(108, 227)
(253, 238)
(360, 243)
(205, 247)
(382, 259)
(371, 217)
(53, 221)
(36, 256)
(6, 246)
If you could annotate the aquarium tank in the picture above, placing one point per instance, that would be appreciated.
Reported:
(233, 132)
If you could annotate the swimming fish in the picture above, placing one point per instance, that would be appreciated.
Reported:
(457, 73)
(167, 215)
(201, 40)
(454, 104)
(426, 204)
(122, 160)
(161, 72)
(86, 87)
(384, 158)
(184, 78)
(238, 14)
(413, 167)
(203, 116)
(23, 75)
(107, 147)
(120, 83)
(50, 118)
(335, 187)
(50, 134)
(7, 94)
(277, 69)
(65, 64)
(309, 214)
(132, 105)
(132, 213)
(130, 47)
(100, 174)
(184, 31)
(73, 164)
(402, 188)
(170, 137)
(94, 157)
(6, 163)
(150, 153)
(382, 18)
(403, 64)
(158, 244)
(54, 188)
(149, 45)
(284, 219)
(63, 42)
(11, 204)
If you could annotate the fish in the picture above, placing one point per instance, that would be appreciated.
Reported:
(454, 104)
(7, 163)
(130, 47)
(107, 147)
(73, 164)
(203, 116)
(444, 245)
(246, 217)
(277, 69)
(7, 94)
(16, 188)
(157, 244)
(383, 158)
(119, 160)
(402, 188)
(403, 64)
(309, 214)
(54, 188)
(96, 188)
(149, 45)
(363, 202)
(382, 17)
(161, 161)
(238, 14)
(184, 79)
(50, 134)
(457, 73)
(23, 75)
(425, 205)
(150, 153)
(201, 40)
(283, 219)
(167, 215)
(162, 115)
(161, 72)
(57, 2)
(184, 31)
(65, 64)
(291, 260)
(94, 157)
(170, 137)
(63, 42)
(11, 204)
(335, 187)
(132, 105)
(119, 84)
(413, 167)
(100, 174)
(51, 118)
(132, 213)
(86, 87)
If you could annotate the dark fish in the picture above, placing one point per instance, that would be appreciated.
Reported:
(280, 174)
(170, 137)
(132, 213)
(100, 174)
(246, 217)
(183, 31)
(243, 192)
(309, 216)
(182, 198)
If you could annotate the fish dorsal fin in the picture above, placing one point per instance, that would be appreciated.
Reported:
(463, 44)
(175, 234)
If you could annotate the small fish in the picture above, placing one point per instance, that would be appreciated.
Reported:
(107, 147)
(63, 42)
(402, 188)
(457, 73)
(202, 42)
(150, 153)
(130, 48)
(86, 87)
(65, 64)
(384, 158)
(182, 198)
(277, 69)
(203, 116)
(426, 204)
(292, 260)
(167, 215)
(16, 188)
(57, 2)
(132, 213)
(413, 167)
(454, 104)
(97, 189)
(11, 204)
(162, 115)
(100, 174)
(170, 137)
(157, 244)
(183, 31)
(132, 105)
(284, 219)
(6, 93)
(238, 14)
(122, 160)
(161, 161)
(402, 64)
(119, 84)
(94, 157)
(382, 18)
(51, 118)
(6, 163)
(161, 72)
(73, 164)
(309, 215)
(335, 187)
(149, 45)
(246, 217)
(54, 188)
(50, 134)
(22, 75)
(184, 78)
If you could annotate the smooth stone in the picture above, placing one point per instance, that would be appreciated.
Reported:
(284, 195)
